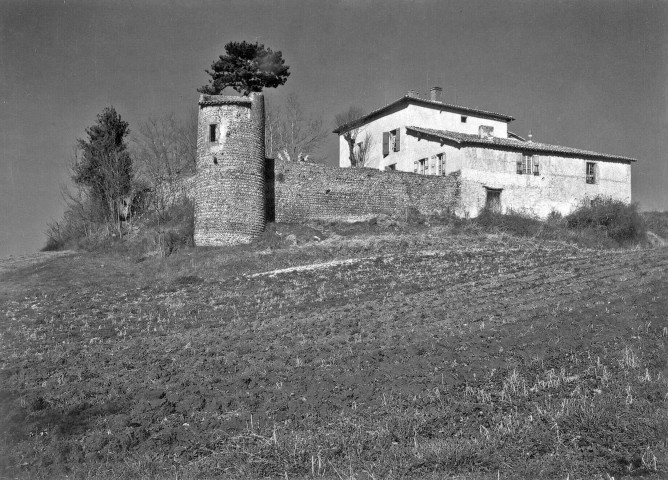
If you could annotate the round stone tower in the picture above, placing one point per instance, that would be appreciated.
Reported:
(229, 180)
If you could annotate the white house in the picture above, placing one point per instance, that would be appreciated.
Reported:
(497, 168)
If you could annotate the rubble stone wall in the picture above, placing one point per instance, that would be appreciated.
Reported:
(228, 190)
(305, 191)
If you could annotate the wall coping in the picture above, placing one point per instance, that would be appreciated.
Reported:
(213, 100)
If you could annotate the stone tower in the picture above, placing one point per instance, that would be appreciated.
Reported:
(229, 180)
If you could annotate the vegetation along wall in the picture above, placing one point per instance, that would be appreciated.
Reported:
(299, 191)
(235, 189)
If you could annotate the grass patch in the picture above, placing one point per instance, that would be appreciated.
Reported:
(657, 222)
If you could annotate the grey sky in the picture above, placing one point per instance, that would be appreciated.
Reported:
(588, 74)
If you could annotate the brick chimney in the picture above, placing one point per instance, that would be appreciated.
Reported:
(414, 94)
(436, 94)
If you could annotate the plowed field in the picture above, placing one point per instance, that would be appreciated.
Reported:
(383, 357)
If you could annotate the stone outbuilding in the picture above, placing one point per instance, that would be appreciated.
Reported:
(497, 168)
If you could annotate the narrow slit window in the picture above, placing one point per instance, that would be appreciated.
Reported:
(464, 118)
(213, 132)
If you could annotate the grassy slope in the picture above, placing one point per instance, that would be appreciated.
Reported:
(427, 355)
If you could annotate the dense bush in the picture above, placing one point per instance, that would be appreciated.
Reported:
(176, 226)
(150, 232)
(618, 220)
(513, 223)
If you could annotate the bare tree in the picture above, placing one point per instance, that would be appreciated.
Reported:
(165, 148)
(272, 127)
(350, 134)
(292, 135)
(362, 150)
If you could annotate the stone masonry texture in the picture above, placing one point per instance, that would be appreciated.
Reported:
(228, 190)
(306, 191)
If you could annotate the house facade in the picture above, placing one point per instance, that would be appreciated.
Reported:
(497, 169)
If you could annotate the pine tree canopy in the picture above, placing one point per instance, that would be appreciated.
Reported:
(246, 67)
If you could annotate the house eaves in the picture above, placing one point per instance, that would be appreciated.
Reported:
(406, 100)
(467, 140)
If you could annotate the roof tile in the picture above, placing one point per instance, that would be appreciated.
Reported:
(423, 101)
(466, 139)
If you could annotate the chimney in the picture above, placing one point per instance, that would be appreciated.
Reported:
(436, 94)
(414, 94)
(530, 136)
(485, 131)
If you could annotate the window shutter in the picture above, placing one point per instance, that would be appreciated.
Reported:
(442, 163)
(519, 165)
(536, 166)
(386, 143)
(397, 141)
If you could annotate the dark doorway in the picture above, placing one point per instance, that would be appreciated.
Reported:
(493, 202)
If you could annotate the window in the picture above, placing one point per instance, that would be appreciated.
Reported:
(391, 141)
(591, 172)
(528, 165)
(441, 164)
(434, 165)
(391, 167)
(421, 166)
(213, 132)
(464, 118)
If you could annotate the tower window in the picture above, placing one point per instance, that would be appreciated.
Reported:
(213, 132)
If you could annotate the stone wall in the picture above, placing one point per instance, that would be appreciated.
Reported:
(303, 191)
(228, 189)
(170, 193)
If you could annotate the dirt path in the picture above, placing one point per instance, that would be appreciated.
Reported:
(14, 262)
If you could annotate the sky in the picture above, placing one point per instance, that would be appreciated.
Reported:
(587, 74)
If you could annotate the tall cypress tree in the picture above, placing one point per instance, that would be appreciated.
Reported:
(104, 166)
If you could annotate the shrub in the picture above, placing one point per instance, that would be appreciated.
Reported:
(618, 220)
(514, 223)
(173, 228)
(70, 230)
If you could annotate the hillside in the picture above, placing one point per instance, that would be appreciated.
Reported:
(413, 355)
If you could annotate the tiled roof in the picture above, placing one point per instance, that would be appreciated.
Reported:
(424, 102)
(465, 139)
(514, 135)
(207, 100)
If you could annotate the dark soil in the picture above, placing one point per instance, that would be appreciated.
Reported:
(391, 356)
